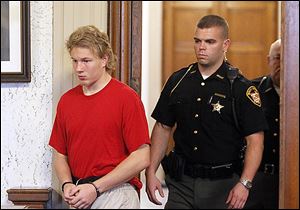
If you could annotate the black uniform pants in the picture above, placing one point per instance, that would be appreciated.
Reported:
(198, 193)
(265, 192)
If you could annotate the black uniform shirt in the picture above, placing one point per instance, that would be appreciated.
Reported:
(205, 130)
(270, 104)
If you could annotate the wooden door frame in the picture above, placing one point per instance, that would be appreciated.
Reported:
(124, 26)
(289, 111)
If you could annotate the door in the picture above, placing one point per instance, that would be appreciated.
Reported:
(252, 28)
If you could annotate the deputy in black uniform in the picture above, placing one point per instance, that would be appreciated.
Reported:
(265, 193)
(198, 99)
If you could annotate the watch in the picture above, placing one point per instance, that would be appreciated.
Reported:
(247, 183)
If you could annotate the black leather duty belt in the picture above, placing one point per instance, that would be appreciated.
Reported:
(269, 168)
(211, 172)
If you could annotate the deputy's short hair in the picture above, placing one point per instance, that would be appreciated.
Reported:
(209, 21)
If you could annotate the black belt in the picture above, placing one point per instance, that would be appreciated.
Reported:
(269, 168)
(211, 172)
(78, 181)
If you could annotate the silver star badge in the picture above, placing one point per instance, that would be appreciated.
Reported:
(217, 107)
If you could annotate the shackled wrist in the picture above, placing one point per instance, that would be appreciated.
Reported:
(63, 185)
(97, 190)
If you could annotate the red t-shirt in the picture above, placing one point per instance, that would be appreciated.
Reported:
(97, 132)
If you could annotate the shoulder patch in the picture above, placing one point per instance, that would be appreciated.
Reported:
(253, 94)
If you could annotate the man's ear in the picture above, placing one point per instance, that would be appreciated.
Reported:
(105, 59)
(226, 45)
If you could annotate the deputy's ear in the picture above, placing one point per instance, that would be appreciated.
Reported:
(226, 45)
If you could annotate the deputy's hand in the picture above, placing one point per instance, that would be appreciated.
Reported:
(237, 197)
(153, 184)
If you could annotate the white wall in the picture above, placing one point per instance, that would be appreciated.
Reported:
(26, 113)
(151, 79)
(151, 56)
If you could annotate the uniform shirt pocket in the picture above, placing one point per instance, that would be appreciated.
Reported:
(181, 107)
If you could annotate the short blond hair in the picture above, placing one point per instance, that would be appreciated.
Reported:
(92, 38)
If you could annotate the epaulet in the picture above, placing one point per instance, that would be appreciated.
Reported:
(258, 82)
(261, 81)
(181, 78)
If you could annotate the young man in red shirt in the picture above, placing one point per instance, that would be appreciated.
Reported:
(100, 134)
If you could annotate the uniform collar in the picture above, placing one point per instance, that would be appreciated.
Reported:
(220, 74)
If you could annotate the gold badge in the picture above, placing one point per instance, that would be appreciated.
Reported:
(253, 94)
(217, 107)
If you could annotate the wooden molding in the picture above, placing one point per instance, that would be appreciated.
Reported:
(36, 198)
(289, 111)
(125, 32)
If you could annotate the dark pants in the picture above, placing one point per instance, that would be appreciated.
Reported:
(264, 193)
(198, 193)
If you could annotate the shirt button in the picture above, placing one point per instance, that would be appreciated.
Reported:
(276, 119)
(198, 99)
(196, 115)
(195, 148)
(274, 150)
(202, 83)
(195, 131)
(274, 134)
